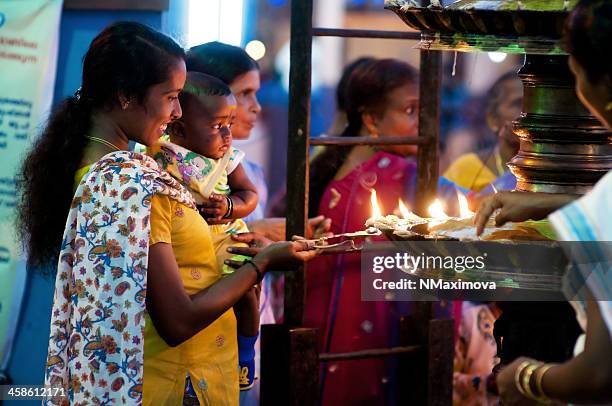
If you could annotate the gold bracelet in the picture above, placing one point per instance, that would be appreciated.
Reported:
(542, 397)
(526, 380)
(517, 376)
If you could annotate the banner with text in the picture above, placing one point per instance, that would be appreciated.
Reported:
(29, 32)
(486, 270)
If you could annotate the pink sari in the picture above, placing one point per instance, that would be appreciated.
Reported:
(333, 296)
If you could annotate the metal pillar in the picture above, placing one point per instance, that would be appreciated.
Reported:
(429, 127)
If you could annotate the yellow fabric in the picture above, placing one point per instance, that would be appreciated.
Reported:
(211, 356)
(222, 239)
(470, 172)
(78, 176)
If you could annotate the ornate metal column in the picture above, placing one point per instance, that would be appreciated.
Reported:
(564, 149)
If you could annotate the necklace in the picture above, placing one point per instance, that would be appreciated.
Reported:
(103, 142)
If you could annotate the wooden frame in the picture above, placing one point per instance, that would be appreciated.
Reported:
(144, 5)
(290, 361)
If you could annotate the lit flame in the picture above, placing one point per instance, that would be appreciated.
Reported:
(406, 213)
(376, 213)
(464, 209)
(436, 211)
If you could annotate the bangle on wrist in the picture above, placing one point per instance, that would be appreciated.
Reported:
(256, 267)
(517, 376)
(542, 397)
(230, 207)
(526, 380)
(523, 380)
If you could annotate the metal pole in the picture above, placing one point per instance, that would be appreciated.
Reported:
(380, 140)
(429, 126)
(440, 363)
(297, 148)
(289, 358)
(373, 353)
(290, 372)
(341, 32)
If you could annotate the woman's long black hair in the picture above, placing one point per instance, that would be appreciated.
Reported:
(125, 58)
(366, 90)
(220, 60)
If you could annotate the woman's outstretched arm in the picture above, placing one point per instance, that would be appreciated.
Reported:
(178, 316)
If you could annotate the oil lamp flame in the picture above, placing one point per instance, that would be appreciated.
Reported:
(464, 209)
(376, 212)
(405, 211)
(436, 211)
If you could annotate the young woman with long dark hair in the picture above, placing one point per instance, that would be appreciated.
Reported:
(381, 99)
(129, 239)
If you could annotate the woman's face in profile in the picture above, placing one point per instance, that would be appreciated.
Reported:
(245, 88)
(508, 109)
(400, 118)
(147, 122)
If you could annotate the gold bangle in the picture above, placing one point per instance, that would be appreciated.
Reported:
(526, 379)
(542, 397)
(517, 376)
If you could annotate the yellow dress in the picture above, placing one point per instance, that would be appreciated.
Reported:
(469, 172)
(211, 356)
(78, 175)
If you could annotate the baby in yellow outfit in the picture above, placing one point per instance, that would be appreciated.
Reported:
(199, 154)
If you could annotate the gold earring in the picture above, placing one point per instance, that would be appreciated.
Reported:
(609, 106)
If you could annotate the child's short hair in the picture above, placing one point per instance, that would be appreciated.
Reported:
(197, 85)
(200, 84)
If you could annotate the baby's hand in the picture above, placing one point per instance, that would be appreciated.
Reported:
(214, 208)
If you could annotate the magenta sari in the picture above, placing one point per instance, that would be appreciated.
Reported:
(333, 296)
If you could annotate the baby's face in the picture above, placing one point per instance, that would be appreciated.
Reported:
(207, 126)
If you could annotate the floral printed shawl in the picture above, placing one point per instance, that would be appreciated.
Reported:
(97, 324)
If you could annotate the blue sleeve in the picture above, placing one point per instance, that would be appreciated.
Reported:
(446, 187)
(507, 181)
(256, 175)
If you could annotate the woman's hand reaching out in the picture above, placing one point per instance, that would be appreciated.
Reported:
(518, 206)
(277, 256)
